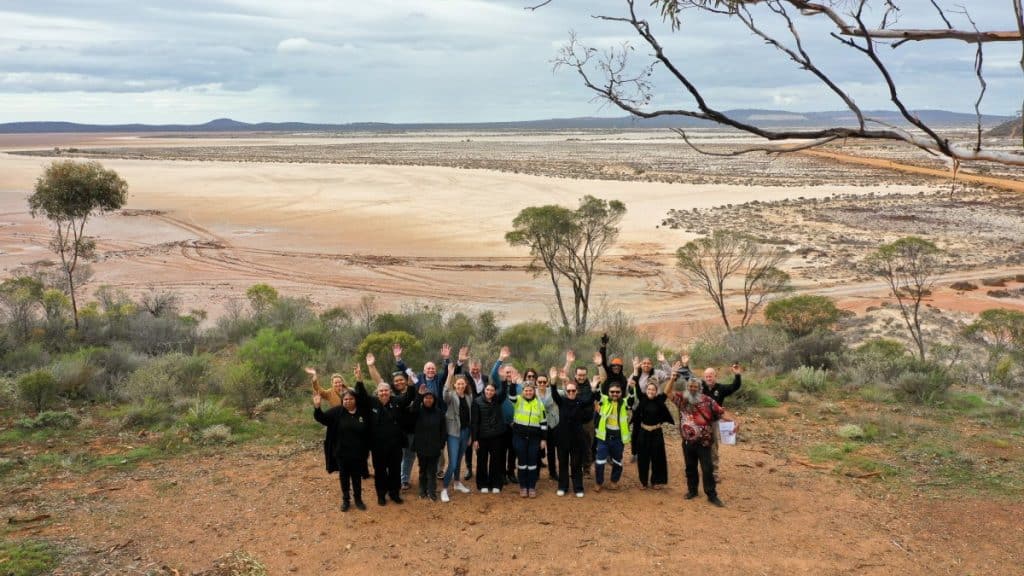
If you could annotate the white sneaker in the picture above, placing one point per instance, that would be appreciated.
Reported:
(485, 490)
(496, 491)
(462, 488)
(560, 492)
(444, 496)
(579, 494)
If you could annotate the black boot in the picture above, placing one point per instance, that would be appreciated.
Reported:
(345, 504)
(381, 501)
(397, 498)
(359, 504)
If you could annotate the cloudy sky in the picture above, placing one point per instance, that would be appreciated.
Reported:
(189, 61)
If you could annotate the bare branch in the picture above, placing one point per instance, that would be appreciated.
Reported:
(781, 148)
(541, 5)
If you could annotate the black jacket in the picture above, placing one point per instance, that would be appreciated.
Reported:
(573, 414)
(386, 424)
(619, 378)
(349, 433)
(720, 392)
(431, 434)
(488, 421)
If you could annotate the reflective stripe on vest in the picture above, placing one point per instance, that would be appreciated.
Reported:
(528, 412)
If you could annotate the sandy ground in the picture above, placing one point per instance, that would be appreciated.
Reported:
(334, 232)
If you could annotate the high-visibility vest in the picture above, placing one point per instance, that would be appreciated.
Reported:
(605, 411)
(529, 412)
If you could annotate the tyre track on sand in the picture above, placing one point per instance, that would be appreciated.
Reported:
(213, 253)
(1004, 183)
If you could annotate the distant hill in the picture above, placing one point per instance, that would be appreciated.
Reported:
(765, 118)
(1009, 129)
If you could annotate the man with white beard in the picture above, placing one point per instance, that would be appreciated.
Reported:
(698, 413)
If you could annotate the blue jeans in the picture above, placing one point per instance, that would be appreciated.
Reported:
(611, 447)
(408, 457)
(456, 450)
(527, 449)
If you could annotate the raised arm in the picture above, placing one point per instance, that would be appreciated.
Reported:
(315, 381)
(670, 384)
(396, 349)
(371, 365)
(603, 351)
(570, 357)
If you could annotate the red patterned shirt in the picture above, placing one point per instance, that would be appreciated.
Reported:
(695, 421)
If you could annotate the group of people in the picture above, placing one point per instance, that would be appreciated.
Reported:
(509, 423)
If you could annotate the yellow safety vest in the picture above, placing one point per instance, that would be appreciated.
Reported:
(529, 412)
(605, 412)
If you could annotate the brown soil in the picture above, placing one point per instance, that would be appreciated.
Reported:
(783, 516)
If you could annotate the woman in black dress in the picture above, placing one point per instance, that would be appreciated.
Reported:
(348, 434)
(649, 414)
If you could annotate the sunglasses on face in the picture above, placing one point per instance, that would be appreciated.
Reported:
(542, 381)
(570, 390)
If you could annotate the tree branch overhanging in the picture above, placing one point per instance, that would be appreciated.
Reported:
(614, 78)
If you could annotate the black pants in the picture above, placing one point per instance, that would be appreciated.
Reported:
(694, 452)
(490, 463)
(428, 473)
(572, 455)
(469, 459)
(351, 476)
(553, 458)
(650, 459)
(387, 471)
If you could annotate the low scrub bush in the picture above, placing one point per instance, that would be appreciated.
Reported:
(822, 349)
(50, 419)
(216, 434)
(76, 377)
(242, 386)
(923, 385)
(808, 379)
(876, 361)
(148, 414)
(27, 357)
(205, 413)
(37, 389)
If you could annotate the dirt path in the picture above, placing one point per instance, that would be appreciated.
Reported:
(278, 504)
(1004, 183)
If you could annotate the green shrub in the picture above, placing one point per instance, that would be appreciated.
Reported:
(148, 414)
(27, 357)
(76, 377)
(802, 315)
(755, 345)
(876, 361)
(242, 385)
(216, 434)
(279, 356)
(37, 389)
(8, 391)
(709, 350)
(152, 381)
(809, 379)
(205, 413)
(116, 363)
(49, 419)
(27, 557)
(754, 393)
(379, 343)
(821, 349)
(927, 385)
(192, 372)
(850, 432)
